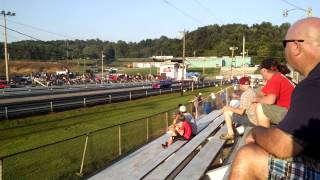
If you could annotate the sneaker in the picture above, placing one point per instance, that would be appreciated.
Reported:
(164, 146)
(240, 130)
(227, 137)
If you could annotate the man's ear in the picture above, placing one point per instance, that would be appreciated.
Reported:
(296, 49)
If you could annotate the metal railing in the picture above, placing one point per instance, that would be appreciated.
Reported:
(47, 106)
(88, 152)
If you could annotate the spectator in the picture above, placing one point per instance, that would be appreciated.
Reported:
(189, 118)
(291, 149)
(197, 104)
(244, 114)
(182, 131)
(235, 101)
(274, 98)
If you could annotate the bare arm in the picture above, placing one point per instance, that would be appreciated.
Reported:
(235, 110)
(268, 99)
(179, 130)
(275, 141)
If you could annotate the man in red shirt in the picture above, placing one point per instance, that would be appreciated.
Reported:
(183, 131)
(274, 99)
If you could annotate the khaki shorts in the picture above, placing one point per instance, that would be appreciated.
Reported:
(274, 113)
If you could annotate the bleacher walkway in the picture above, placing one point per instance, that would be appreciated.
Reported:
(181, 160)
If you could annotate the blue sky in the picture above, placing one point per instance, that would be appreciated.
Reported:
(135, 20)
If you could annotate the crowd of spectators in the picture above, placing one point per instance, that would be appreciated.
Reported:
(69, 78)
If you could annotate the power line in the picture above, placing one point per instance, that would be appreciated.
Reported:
(291, 4)
(22, 33)
(208, 10)
(43, 30)
(183, 12)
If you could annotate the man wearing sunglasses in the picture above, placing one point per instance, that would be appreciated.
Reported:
(291, 149)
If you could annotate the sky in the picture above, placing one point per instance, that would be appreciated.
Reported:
(136, 20)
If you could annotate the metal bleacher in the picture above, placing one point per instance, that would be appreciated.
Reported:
(181, 160)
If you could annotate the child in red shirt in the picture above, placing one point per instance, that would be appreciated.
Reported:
(182, 131)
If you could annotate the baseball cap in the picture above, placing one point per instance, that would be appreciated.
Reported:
(182, 109)
(200, 94)
(244, 81)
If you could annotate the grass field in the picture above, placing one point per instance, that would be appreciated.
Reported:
(207, 71)
(62, 160)
(142, 71)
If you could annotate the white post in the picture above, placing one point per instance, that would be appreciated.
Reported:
(109, 99)
(84, 102)
(147, 129)
(0, 169)
(83, 156)
(51, 106)
(160, 91)
(146, 92)
(171, 90)
(119, 135)
(6, 112)
(130, 95)
(167, 120)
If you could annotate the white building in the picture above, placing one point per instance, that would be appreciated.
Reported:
(172, 70)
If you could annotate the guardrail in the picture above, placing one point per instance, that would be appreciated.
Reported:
(88, 152)
(47, 106)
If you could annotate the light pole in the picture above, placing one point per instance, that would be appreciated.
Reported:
(102, 56)
(232, 49)
(5, 41)
(183, 59)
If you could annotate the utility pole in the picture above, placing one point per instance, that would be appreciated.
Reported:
(102, 56)
(243, 52)
(232, 49)
(84, 66)
(67, 52)
(5, 42)
(183, 60)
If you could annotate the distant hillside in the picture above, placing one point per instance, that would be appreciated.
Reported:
(262, 40)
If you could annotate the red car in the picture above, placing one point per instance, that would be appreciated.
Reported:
(3, 84)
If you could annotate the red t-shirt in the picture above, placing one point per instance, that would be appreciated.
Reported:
(187, 130)
(280, 86)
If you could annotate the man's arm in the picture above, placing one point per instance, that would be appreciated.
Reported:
(268, 99)
(235, 110)
(275, 141)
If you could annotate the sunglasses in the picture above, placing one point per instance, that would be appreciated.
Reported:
(284, 42)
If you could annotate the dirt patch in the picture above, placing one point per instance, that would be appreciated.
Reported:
(26, 67)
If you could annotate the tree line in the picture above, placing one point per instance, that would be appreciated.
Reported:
(262, 41)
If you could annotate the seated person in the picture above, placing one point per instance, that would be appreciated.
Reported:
(274, 99)
(182, 131)
(289, 150)
(235, 101)
(245, 114)
(189, 118)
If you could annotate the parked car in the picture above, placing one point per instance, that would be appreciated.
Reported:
(3, 84)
